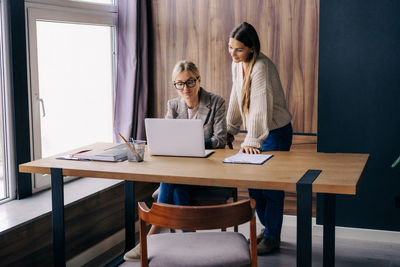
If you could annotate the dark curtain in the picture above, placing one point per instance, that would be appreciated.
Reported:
(132, 70)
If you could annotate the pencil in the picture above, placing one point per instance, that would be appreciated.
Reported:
(131, 148)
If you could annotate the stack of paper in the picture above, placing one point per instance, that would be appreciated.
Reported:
(248, 158)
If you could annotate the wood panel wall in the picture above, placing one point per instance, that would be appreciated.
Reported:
(199, 30)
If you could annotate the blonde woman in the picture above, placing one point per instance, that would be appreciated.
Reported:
(257, 101)
(193, 103)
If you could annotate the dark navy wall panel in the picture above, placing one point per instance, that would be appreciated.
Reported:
(359, 103)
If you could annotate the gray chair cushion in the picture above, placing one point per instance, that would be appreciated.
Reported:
(198, 249)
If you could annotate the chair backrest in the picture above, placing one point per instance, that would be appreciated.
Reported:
(209, 196)
(198, 217)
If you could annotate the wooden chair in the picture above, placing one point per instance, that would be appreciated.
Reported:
(198, 248)
(209, 196)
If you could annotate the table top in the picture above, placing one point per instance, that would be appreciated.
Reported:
(340, 174)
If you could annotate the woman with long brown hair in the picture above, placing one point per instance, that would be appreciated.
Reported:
(258, 102)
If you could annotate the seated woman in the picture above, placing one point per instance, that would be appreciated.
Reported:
(193, 103)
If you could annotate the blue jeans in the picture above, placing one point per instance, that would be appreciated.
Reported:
(177, 194)
(166, 193)
(269, 203)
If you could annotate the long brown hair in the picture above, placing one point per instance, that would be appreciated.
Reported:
(246, 34)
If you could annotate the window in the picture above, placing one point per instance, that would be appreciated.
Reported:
(106, 2)
(7, 180)
(72, 78)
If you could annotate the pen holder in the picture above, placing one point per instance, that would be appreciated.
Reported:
(139, 146)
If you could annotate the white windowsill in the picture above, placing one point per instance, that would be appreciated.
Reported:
(18, 212)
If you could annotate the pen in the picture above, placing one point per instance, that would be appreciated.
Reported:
(79, 152)
(131, 148)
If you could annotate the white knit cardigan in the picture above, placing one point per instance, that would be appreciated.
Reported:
(268, 109)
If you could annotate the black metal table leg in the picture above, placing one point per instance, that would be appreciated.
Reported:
(304, 215)
(57, 198)
(129, 215)
(129, 223)
(329, 230)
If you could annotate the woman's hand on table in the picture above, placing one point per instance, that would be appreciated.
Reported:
(250, 150)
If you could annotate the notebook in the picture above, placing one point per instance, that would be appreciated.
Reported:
(242, 158)
(113, 154)
(176, 137)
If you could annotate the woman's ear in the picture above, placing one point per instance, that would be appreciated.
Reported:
(199, 79)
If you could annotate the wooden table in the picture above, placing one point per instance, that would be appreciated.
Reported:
(301, 172)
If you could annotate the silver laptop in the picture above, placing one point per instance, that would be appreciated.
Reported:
(176, 137)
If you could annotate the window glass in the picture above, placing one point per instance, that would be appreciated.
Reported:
(5, 183)
(75, 85)
(3, 174)
(72, 80)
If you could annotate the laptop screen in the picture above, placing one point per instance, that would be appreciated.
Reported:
(175, 137)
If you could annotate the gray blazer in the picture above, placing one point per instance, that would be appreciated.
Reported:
(211, 112)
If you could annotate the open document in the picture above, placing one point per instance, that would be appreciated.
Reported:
(243, 158)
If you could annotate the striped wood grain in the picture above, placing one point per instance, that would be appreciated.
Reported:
(198, 30)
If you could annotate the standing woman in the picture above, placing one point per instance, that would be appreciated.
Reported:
(258, 102)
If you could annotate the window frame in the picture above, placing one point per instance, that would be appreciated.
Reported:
(66, 11)
(7, 118)
(75, 4)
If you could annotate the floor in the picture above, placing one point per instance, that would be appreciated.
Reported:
(349, 252)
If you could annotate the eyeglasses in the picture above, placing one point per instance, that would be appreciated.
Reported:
(189, 84)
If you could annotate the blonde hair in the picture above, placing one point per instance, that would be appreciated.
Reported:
(246, 87)
(185, 65)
